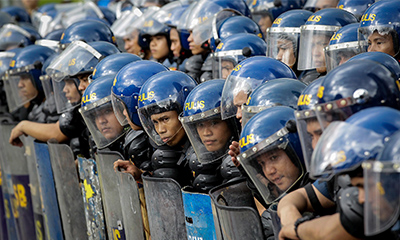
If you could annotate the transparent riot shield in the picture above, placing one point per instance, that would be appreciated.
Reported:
(21, 202)
(235, 214)
(68, 193)
(6, 187)
(164, 208)
(110, 194)
(35, 187)
(132, 211)
(91, 195)
(198, 215)
(51, 214)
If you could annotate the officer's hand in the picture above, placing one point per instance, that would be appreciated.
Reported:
(287, 232)
(16, 132)
(234, 150)
(126, 166)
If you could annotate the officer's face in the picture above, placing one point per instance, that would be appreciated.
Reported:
(238, 101)
(322, 4)
(214, 134)
(168, 126)
(107, 123)
(314, 130)
(131, 43)
(286, 52)
(71, 93)
(175, 42)
(196, 49)
(318, 55)
(159, 47)
(226, 68)
(264, 23)
(278, 168)
(26, 87)
(381, 43)
(83, 82)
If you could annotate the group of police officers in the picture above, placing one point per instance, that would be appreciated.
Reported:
(207, 119)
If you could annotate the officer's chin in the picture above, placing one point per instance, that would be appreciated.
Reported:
(321, 69)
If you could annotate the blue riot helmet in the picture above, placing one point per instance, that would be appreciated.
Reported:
(354, 86)
(126, 88)
(163, 92)
(5, 18)
(345, 145)
(19, 14)
(98, 114)
(381, 20)
(13, 36)
(283, 36)
(245, 77)
(209, 135)
(316, 33)
(88, 31)
(265, 12)
(382, 193)
(278, 92)
(233, 25)
(111, 64)
(385, 59)
(234, 49)
(270, 149)
(356, 7)
(51, 40)
(343, 46)
(78, 59)
(306, 119)
(22, 82)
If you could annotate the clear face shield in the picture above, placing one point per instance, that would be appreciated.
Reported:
(102, 123)
(209, 135)
(340, 109)
(382, 195)
(270, 168)
(48, 90)
(66, 94)
(7, 41)
(337, 54)
(87, 10)
(20, 88)
(72, 60)
(378, 38)
(120, 110)
(282, 44)
(309, 131)
(313, 39)
(235, 93)
(154, 119)
(224, 62)
(331, 153)
(122, 24)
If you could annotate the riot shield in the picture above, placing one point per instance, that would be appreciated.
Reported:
(50, 206)
(110, 194)
(198, 215)
(235, 214)
(130, 201)
(68, 193)
(164, 208)
(91, 195)
(16, 165)
(35, 187)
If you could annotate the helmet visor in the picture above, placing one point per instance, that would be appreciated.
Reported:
(270, 167)
(209, 135)
(224, 62)
(309, 131)
(235, 93)
(282, 44)
(337, 54)
(66, 94)
(120, 110)
(313, 39)
(20, 89)
(368, 35)
(72, 60)
(102, 123)
(382, 195)
(121, 25)
(5, 59)
(342, 147)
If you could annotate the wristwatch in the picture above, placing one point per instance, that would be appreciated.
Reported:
(300, 221)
